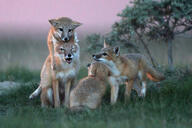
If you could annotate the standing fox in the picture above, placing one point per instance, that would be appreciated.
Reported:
(131, 65)
(90, 90)
(55, 83)
(62, 30)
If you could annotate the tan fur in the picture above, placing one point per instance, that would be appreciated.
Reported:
(62, 78)
(56, 35)
(130, 65)
(90, 90)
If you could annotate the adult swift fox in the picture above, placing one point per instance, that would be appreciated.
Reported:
(62, 30)
(55, 83)
(130, 65)
(90, 90)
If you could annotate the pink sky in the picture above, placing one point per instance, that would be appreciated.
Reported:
(99, 13)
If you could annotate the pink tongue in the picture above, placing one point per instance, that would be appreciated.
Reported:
(68, 61)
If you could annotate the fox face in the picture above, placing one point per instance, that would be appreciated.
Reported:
(67, 52)
(64, 28)
(107, 54)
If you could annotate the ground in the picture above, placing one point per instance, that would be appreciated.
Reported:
(167, 104)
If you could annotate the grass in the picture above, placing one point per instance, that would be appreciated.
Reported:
(19, 74)
(169, 105)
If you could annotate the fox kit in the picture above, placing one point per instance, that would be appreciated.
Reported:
(131, 65)
(62, 30)
(55, 85)
(90, 90)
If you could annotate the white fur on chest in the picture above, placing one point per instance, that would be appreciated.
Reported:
(111, 65)
(114, 69)
(66, 74)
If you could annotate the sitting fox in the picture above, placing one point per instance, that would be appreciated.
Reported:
(90, 90)
(55, 84)
(131, 65)
(62, 30)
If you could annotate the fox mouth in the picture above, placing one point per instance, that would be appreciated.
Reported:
(96, 59)
(68, 60)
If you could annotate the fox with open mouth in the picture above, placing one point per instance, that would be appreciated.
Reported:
(55, 84)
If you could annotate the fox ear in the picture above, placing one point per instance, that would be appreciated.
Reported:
(76, 24)
(53, 22)
(105, 45)
(117, 50)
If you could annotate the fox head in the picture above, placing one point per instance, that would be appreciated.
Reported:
(67, 51)
(99, 70)
(64, 28)
(107, 54)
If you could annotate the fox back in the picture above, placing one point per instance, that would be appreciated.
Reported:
(90, 90)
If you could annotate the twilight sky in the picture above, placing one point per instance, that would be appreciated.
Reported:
(28, 13)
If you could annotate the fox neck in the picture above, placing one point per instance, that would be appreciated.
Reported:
(119, 63)
(101, 79)
(115, 66)
(111, 64)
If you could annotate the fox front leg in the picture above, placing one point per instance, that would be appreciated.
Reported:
(128, 88)
(67, 92)
(114, 89)
(56, 93)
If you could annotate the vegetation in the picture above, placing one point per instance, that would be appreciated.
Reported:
(94, 42)
(167, 104)
(158, 20)
(19, 74)
(149, 20)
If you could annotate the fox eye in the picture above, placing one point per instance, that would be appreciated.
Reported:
(70, 30)
(62, 49)
(61, 29)
(105, 54)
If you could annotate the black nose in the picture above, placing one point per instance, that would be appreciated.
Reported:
(88, 65)
(93, 55)
(69, 55)
(66, 39)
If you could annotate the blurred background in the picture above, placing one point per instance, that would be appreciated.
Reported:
(24, 27)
